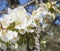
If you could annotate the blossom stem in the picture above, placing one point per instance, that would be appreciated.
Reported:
(37, 39)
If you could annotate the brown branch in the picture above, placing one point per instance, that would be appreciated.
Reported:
(28, 3)
(3, 12)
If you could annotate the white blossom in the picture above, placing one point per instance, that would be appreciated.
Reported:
(8, 36)
(11, 35)
(6, 20)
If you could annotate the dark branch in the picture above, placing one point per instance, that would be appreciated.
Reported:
(3, 12)
(29, 3)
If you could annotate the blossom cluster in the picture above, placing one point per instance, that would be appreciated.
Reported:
(24, 23)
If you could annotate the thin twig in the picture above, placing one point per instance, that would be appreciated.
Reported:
(28, 3)
(3, 12)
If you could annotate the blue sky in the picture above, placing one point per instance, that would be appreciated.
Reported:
(23, 1)
(3, 5)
